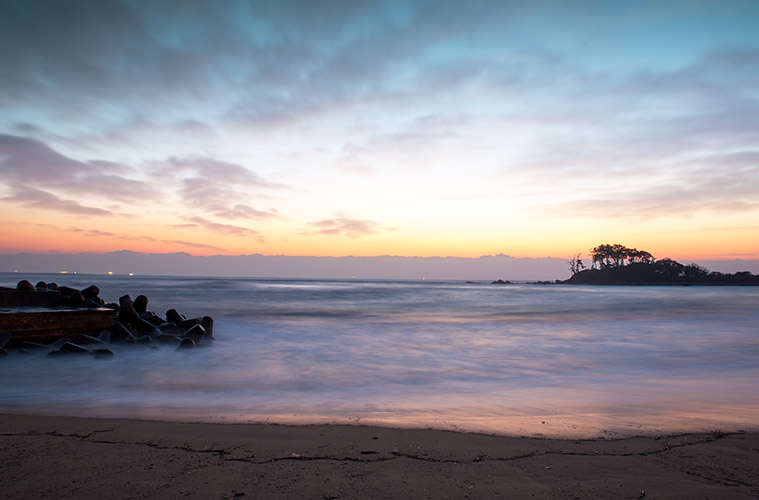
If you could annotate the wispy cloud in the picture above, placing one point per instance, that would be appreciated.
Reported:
(342, 226)
(247, 212)
(97, 233)
(35, 173)
(35, 198)
(227, 229)
(717, 183)
(27, 162)
(218, 188)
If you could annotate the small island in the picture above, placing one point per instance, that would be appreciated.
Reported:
(616, 264)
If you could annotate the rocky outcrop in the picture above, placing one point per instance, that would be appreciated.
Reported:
(130, 323)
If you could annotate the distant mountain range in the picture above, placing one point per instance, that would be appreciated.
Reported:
(485, 268)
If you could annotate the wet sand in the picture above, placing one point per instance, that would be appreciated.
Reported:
(62, 457)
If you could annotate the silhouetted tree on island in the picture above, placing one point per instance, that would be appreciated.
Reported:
(616, 255)
(575, 264)
(616, 264)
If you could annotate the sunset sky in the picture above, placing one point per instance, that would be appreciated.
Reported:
(532, 129)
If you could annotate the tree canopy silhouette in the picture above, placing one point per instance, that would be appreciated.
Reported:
(615, 264)
(616, 255)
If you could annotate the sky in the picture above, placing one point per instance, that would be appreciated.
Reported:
(367, 128)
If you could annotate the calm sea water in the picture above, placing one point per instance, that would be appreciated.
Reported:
(518, 359)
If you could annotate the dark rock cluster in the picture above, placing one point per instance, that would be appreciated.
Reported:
(134, 322)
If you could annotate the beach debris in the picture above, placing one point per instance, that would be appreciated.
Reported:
(642, 494)
(76, 321)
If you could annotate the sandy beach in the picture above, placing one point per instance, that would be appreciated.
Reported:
(63, 457)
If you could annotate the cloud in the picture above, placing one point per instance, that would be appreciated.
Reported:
(720, 183)
(28, 162)
(97, 233)
(352, 228)
(34, 198)
(354, 159)
(225, 228)
(220, 171)
(247, 212)
(218, 188)
(25, 159)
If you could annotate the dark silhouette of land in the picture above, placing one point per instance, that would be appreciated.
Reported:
(618, 265)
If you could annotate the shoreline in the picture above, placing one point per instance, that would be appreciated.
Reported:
(557, 426)
(75, 457)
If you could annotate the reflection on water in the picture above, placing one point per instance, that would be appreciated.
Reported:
(518, 359)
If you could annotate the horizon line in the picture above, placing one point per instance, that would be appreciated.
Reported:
(749, 257)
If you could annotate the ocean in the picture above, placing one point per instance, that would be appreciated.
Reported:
(522, 359)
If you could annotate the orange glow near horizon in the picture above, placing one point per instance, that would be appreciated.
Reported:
(541, 241)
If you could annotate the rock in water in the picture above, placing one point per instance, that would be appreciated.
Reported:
(90, 292)
(69, 348)
(25, 286)
(102, 353)
(33, 346)
(126, 309)
(71, 296)
(76, 299)
(128, 315)
(73, 348)
(195, 333)
(165, 338)
(151, 318)
(188, 323)
(186, 344)
(143, 339)
(88, 340)
(4, 338)
(140, 304)
(119, 333)
(207, 323)
(94, 302)
(41, 284)
(173, 316)
(170, 328)
(67, 290)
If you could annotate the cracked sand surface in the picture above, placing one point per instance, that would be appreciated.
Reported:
(55, 457)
